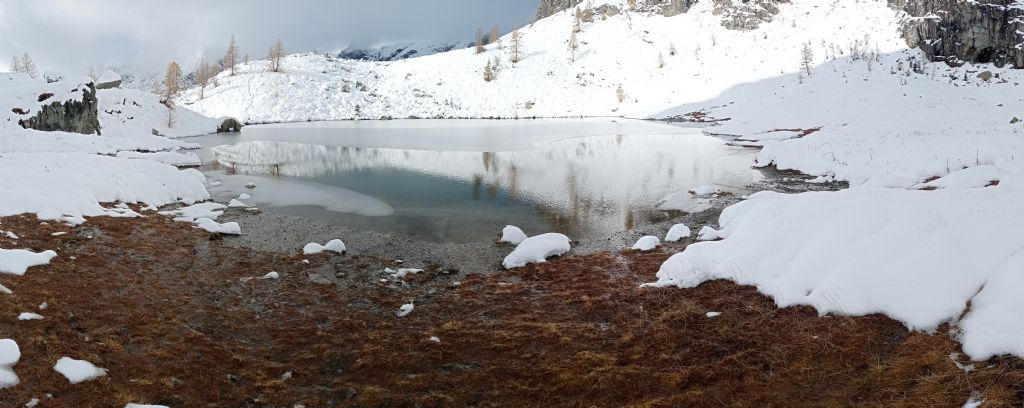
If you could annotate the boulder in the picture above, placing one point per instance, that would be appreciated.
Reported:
(229, 125)
(108, 80)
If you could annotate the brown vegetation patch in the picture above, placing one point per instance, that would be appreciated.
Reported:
(164, 308)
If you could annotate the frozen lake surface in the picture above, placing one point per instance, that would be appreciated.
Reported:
(462, 181)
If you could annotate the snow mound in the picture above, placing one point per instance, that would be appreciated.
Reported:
(234, 203)
(272, 275)
(704, 191)
(708, 234)
(879, 250)
(9, 356)
(77, 371)
(537, 249)
(512, 234)
(108, 76)
(30, 316)
(334, 245)
(647, 243)
(230, 228)
(405, 309)
(17, 261)
(677, 233)
(196, 211)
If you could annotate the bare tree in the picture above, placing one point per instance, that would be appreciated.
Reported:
(620, 94)
(231, 56)
(807, 58)
(203, 75)
(25, 65)
(246, 59)
(661, 61)
(275, 55)
(493, 36)
(479, 41)
(15, 64)
(631, 4)
(577, 20)
(516, 46)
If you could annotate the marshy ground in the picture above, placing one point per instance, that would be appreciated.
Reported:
(170, 312)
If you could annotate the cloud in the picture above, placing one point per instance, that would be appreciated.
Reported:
(73, 35)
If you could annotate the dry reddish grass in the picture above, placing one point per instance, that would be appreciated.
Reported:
(161, 306)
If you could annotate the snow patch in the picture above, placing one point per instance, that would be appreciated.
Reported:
(77, 371)
(512, 234)
(537, 249)
(334, 245)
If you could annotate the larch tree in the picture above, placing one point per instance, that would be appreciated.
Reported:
(631, 4)
(26, 65)
(203, 75)
(577, 21)
(488, 71)
(231, 56)
(661, 61)
(493, 36)
(807, 58)
(479, 41)
(172, 81)
(516, 46)
(573, 46)
(275, 55)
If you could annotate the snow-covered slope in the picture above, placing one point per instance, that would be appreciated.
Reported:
(615, 52)
(65, 176)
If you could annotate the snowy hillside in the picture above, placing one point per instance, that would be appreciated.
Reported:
(65, 176)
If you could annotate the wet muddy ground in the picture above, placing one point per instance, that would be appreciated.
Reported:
(173, 314)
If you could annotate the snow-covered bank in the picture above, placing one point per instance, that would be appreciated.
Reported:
(66, 176)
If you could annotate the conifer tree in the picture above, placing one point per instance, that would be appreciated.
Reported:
(231, 56)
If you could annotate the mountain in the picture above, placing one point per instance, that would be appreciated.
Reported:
(398, 51)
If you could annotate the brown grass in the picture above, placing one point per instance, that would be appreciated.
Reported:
(162, 307)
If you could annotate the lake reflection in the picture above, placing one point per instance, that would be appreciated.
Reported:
(583, 186)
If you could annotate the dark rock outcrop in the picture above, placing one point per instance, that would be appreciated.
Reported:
(77, 116)
(736, 14)
(958, 31)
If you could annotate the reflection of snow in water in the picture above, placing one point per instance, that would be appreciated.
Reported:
(282, 193)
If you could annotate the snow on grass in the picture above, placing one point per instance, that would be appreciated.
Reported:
(647, 243)
(334, 245)
(17, 261)
(512, 234)
(9, 356)
(194, 212)
(77, 371)
(145, 406)
(404, 309)
(916, 256)
(30, 316)
(230, 228)
(402, 272)
(677, 233)
(537, 249)
(712, 314)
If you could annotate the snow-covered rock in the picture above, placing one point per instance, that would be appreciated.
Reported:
(537, 249)
(512, 234)
(194, 212)
(707, 233)
(236, 204)
(334, 245)
(77, 371)
(647, 243)
(30, 316)
(272, 275)
(704, 191)
(17, 261)
(677, 233)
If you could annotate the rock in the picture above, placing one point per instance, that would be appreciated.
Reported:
(1014, 120)
(319, 279)
(985, 75)
(229, 125)
(957, 31)
(108, 80)
(76, 116)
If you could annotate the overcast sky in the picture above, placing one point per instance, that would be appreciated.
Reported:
(73, 35)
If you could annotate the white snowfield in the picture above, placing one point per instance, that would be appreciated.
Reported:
(77, 371)
(537, 249)
(66, 176)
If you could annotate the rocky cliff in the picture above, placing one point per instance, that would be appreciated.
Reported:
(958, 31)
(954, 31)
(72, 115)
